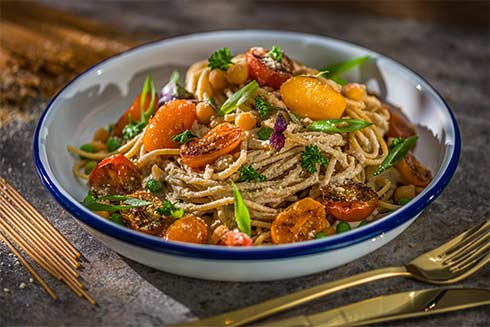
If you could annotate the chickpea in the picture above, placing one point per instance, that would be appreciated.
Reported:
(245, 121)
(217, 79)
(354, 91)
(237, 73)
(204, 112)
(101, 135)
(404, 192)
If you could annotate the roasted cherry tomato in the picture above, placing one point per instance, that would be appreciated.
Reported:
(190, 229)
(171, 119)
(235, 238)
(134, 111)
(145, 219)
(300, 221)
(399, 125)
(412, 171)
(221, 140)
(266, 70)
(349, 202)
(115, 175)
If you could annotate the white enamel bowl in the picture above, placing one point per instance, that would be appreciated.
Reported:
(99, 96)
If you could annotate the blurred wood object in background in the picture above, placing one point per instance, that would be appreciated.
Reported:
(42, 48)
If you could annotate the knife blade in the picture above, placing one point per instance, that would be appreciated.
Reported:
(392, 307)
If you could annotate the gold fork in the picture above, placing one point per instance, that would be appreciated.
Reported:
(447, 264)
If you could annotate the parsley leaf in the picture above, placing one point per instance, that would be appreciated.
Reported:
(248, 173)
(220, 59)
(132, 129)
(310, 157)
(183, 137)
(170, 210)
(263, 107)
(264, 133)
(276, 53)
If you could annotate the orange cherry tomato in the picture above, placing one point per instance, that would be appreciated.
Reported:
(134, 111)
(171, 119)
(413, 172)
(235, 238)
(349, 202)
(190, 229)
(221, 140)
(399, 125)
(300, 221)
(145, 219)
(115, 175)
(265, 70)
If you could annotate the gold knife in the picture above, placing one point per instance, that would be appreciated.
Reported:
(392, 307)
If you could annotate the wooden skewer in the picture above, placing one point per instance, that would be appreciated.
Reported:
(23, 224)
(28, 267)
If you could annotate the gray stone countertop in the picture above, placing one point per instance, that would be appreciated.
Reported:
(454, 59)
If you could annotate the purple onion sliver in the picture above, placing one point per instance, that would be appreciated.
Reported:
(281, 124)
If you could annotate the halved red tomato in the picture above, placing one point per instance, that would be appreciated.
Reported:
(235, 238)
(115, 175)
(413, 172)
(266, 70)
(221, 140)
(145, 219)
(350, 201)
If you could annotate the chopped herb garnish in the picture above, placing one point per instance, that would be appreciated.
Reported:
(238, 98)
(220, 59)
(170, 210)
(113, 143)
(264, 133)
(263, 107)
(404, 201)
(278, 139)
(88, 148)
(134, 128)
(183, 137)
(89, 166)
(248, 173)
(276, 53)
(117, 218)
(92, 203)
(333, 71)
(320, 235)
(312, 156)
(397, 153)
(339, 125)
(242, 216)
(342, 227)
(153, 185)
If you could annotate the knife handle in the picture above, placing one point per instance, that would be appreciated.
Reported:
(264, 309)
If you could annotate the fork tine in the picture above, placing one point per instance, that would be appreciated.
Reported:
(460, 241)
(470, 260)
(467, 249)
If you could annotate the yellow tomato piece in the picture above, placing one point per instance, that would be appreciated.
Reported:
(312, 97)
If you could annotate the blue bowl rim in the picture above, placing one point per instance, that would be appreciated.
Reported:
(356, 236)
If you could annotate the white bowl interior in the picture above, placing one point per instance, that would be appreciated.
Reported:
(102, 94)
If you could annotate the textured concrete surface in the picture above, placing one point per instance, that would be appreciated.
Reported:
(454, 59)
